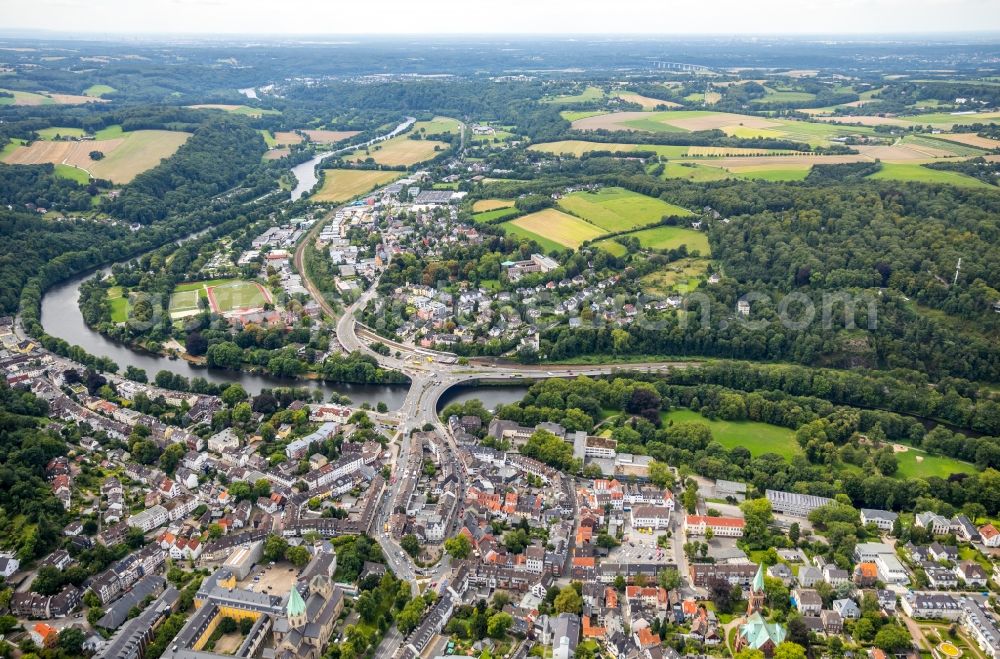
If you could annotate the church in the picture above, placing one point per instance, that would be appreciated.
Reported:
(307, 625)
(755, 632)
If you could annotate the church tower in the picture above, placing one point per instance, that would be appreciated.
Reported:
(295, 610)
(757, 595)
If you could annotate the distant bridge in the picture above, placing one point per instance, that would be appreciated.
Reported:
(678, 66)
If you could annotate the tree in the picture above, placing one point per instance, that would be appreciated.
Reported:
(171, 457)
(498, 624)
(458, 547)
(298, 556)
(758, 516)
(227, 625)
(607, 541)
(96, 155)
(275, 547)
(195, 343)
(749, 654)
(669, 578)
(71, 641)
(789, 650)
(568, 601)
(893, 638)
(233, 394)
(794, 532)
(410, 544)
(660, 474)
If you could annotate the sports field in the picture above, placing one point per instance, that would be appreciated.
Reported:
(758, 438)
(617, 209)
(491, 205)
(223, 295)
(673, 237)
(646, 102)
(235, 109)
(556, 227)
(914, 172)
(124, 157)
(345, 184)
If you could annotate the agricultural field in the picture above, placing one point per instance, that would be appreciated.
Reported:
(403, 151)
(341, 185)
(98, 91)
(681, 276)
(768, 173)
(555, 227)
(44, 98)
(936, 144)
(235, 109)
(589, 94)
(970, 139)
(783, 96)
(124, 157)
(285, 138)
(617, 209)
(914, 172)
(667, 237)
(491, 205)
(579, 147)
(59, 131)
(277, 154)
(735, 125)
(573, 115)
(695, 172)
(495, 214)
(327, 136)
(646, 102)
(758, 438)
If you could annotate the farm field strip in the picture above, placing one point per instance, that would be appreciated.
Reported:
(617, 209)
(491, 205)
(344, 184)
(558, 227)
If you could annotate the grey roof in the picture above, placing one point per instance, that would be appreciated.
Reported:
(117, 613)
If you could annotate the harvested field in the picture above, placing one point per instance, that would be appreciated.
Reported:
(617, 209)
(557, 227)
(45, 98)
(400, 151)
(124, 157)
(491, 205)
(286, 137)
(785, 161)
(276, 154)
(903, 152)
(646, 102)
(970, 139)
(235, 109)
(717, 151)
(579, 147)
(344, 184)
(329, 136)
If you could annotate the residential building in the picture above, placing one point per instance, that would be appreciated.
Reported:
(935, 523)
(931, 605)
(883, 519)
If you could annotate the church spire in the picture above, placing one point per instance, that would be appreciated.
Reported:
(295, 610)
(757, 595)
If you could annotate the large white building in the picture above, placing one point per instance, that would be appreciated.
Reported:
(149, 519)
(730, 527)
(792, 503)
(650, 517)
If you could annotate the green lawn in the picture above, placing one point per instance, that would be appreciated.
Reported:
(617, 209)
(10, 147)
(72, 173)
(62, 131)
(667, 237)
(612, 247)
(775, 96)
(99, 90)
(921, 174)
(758, 438)
(694, 172)
(589, 94)
(573, 115)
(109, 133)
(119, 305)
(798, 174)
(930, 465)
(268, 139)
(488, 216)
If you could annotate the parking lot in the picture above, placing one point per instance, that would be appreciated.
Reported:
(639, 547)
(276, 580)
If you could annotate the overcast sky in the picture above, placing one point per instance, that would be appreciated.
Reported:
(505, 16)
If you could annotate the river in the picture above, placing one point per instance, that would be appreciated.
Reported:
(61, 317)
(305, 173)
